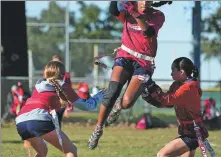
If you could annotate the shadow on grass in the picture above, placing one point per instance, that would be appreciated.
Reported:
(159, 120)
(75, 120)
(80, 117)
(169, 119)
(158, 123)
(85, 141)
(20, 141)
(213, 124)
(12, 141)
(78, 141)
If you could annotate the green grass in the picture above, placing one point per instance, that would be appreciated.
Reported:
(118, 141)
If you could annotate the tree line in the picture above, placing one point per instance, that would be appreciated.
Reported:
(46, 41)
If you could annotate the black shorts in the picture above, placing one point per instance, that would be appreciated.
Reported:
(34, 128)
(191, 142)
(131, 66)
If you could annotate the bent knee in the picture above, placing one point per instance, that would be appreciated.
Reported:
(43, 153)
(161, 154)
(46, 151)
(127, 102)
(111, 94)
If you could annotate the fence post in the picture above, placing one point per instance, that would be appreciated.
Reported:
(220, 104)
(95, 71)
(220, 95)
(67, 52)
(30, 70)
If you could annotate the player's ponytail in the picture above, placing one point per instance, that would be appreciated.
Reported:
(195, 72)
(187, 65)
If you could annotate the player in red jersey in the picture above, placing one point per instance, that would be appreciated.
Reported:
(134, 57)
(184, 95)
(35, 123)
(37, 120)
(209, 109)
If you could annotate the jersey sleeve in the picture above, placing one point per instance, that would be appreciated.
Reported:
(157, 21)
(67, 78)
(71, 94)
(176, 97)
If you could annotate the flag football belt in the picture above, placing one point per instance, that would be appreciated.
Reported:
(189, 121)
(137, 54)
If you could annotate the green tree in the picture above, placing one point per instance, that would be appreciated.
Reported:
(93, 23)
(46, 41)
(211, 40)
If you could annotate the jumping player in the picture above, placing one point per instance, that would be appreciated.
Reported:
(135, 57)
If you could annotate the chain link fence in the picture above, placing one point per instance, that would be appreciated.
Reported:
(81, 57)
(140, 105)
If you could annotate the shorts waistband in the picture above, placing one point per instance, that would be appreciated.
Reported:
(137, 54)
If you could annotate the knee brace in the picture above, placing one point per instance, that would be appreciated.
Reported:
(111, 94)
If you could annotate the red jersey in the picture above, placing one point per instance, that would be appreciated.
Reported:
(208, 104)
(18, 101)
(47, 100)
(44, 99)
(209, 108)
(185, 97)
(67, 78)
(133, 38)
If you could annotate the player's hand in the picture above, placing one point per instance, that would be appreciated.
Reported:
(101, 64)
(131, 8)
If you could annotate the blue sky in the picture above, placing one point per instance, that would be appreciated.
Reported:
(177, 27)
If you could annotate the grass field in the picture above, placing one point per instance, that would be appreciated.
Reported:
(118, 141)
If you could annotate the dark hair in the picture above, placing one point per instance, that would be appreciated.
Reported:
(158, 4)
(187, 65)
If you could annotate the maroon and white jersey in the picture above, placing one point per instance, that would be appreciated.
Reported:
(134, 39)
(67, 78)
(45, 99)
